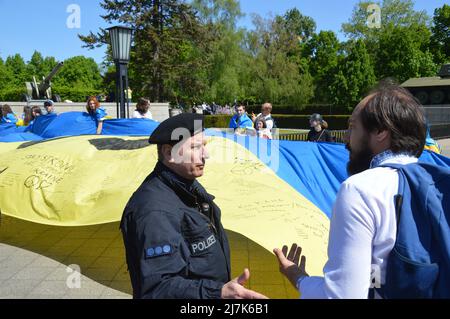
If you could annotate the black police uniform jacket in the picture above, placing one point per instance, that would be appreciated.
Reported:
(175, 244)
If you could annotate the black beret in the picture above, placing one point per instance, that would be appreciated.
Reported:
(193, 122)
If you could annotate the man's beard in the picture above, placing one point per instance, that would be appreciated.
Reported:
(359, 160)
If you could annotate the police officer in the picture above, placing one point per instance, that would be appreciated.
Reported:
(175, 244)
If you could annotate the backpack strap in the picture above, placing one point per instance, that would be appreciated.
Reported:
(318, 139)
(398, 207)
(398, 201)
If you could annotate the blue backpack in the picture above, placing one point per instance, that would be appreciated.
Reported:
(419, 264)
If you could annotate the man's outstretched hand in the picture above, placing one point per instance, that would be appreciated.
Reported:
(292, 264)
(235, 289)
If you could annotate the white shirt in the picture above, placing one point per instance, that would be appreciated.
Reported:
(362, 234)
(265, 132)
(137, 115)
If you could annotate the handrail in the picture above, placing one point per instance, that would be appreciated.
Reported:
(338, 135)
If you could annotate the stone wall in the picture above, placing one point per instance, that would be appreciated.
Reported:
(438, 114)
(160, 111)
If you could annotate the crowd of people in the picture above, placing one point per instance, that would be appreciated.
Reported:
(29, 115)
(260, 125)
(263, 124)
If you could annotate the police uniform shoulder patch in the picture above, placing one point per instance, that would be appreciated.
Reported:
(158, 251)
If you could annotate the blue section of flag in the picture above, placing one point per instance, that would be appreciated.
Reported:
(10, 128)
(20, 137)
(74, 124)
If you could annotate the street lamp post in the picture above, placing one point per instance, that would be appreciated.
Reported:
(120, 38)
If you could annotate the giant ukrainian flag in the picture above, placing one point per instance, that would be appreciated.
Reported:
(272, 192)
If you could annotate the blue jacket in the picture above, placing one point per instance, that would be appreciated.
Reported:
(9, 118)
(100, 114)
(175, 244)
(430, 143)
(240, 122)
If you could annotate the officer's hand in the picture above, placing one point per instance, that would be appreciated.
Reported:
(234, 289)
(290, 264)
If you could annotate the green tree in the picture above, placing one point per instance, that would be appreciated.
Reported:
(323, 53)
(3, 73)
(164, 29)
(223, 12)
(36, 65)
(276, 75)
(354, 75)
(109, 81)
(400, 13)
(6, 76)
(15, 66)
(295, 30)
(440, 39)
(402, 54)
(400, 48)
(79, 72)
(187, 79)
(299, 25)
(225, 72)
(39, 67)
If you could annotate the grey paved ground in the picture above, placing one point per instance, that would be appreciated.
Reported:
(39, 261)
(26, 274)
(36, 261)
(445, 144)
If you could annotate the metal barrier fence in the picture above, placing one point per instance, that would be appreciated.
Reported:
(440, 131)
(160, 111)
(339, 136)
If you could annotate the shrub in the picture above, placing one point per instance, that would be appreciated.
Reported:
(217, 121)
(75, 94)
(324, 109)
(12, 94)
